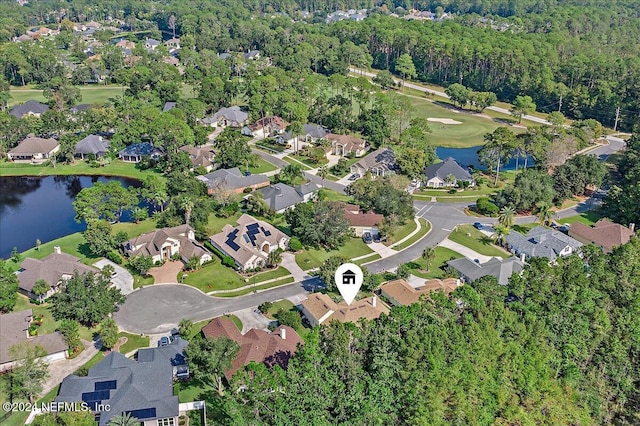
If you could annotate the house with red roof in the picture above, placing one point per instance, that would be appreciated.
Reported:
(604, 233)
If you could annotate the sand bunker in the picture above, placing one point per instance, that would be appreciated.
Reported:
(444, 120)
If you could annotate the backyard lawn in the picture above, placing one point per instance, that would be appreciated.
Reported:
(313, 258)
(79, 167)
(470, 237)
(134, 341)
(91, 94)
(327, 194)
(216, 223)
(437, 265)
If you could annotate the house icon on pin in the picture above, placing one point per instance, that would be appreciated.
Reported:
(348, 277)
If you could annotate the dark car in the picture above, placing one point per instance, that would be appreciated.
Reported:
(376, 238)
(164, 341)
(366, 237)
(247, 173)
(477, 225)
(354, 176)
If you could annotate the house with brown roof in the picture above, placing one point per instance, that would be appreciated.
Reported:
(54, 269)
(266, 127)
(360, 221)
(275, 348)
(249, 243)
(319, 308)
(14, 330)
(34, 150)
(604, 233)
(200, 156)
(232, 116)
(401, 293)
(166, 243)
(232, 181)
(344, 145)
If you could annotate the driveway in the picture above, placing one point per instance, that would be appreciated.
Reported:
(252, 319)
(123, 280)
(167, 273)
(158, 309)
(464, 250)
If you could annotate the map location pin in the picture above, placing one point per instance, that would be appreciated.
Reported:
(349, 279)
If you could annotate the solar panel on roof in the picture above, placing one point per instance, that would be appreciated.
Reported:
(145, 413)
(106, 385)
(231, 240)
(246, 238)
(265, 232)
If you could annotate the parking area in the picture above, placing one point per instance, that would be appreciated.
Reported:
(121, 278)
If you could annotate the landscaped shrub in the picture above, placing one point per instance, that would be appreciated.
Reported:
(247, 190)
(486, 207)
(114, 257)
(228, 261)
(264, 307)
(295, 244)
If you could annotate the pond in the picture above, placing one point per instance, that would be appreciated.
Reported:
(469, 157)
(34, 208)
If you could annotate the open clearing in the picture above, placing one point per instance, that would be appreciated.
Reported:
(444, 120)
(91, 94)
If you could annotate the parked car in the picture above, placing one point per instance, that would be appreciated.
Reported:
(376, 238)
(366, 237)
(354, 176)
(164, 341)
(247, 173)
(477, 225)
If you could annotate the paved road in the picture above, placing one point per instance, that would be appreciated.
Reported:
(444, 95)
(159, 308)
(603, 152)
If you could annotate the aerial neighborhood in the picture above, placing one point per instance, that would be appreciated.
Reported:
(296, 213)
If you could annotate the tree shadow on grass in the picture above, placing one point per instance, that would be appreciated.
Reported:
(84, 250)
(486, 240)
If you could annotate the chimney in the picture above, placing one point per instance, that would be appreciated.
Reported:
(632, 227)
(57, 250)
(522, 257)
(283, 333)
(374, 301)
(458, 282)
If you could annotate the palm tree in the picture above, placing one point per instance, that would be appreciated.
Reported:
(295, 129)
(274, 258)
(124, 419)
(187, 206)
(159, 198)
(428, 254)
(40, 288)
(507, 217)
(500, 235)
(323, 172)
(450, 180)
(544, 213)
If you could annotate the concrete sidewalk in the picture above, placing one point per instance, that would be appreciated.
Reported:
(464, 250)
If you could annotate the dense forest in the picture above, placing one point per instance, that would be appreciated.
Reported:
(580, 60)
(562, 349)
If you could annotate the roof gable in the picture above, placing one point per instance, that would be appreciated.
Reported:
(448, 167)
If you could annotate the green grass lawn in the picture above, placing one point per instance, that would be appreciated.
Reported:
(476, 241)
(91, 94)
(214, 276)
(115, 168)
(270, 274)
(443, 255)
(192, 390)
(262, 166)
(269, 146)
(371, 258)
(216, 223)
(134, 341)
(290, 159)
(588, 218)
(304, 159)
(251, 289)
(235, 320)
(424, 230)
(139, 281)
(525, 227)
(477, 191)
(18, 418)
(313, 258)
(401, 232)
(276, 306)
(195, 330)
(327, 194)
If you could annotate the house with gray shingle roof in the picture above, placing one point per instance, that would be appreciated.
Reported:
(232, 181)
(33, 108)
(92, 145)
(279, 197)
(118, 385)
(380, 162)
(135, 152)
(232, 116)
(34, 150)
(310, 133)
(151, 44)
(168, 106)
(500, 268)
(542, 242)
(14, 330)
(436, 174)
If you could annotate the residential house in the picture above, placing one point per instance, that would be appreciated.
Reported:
(119, 385)
(125, 44)
(42, 32)
(172, 43)
(200, 156)
(168, 106)
(80, 108)
(151, 44)
(29, 108)
(232, 181)
(604, 233)
(275, 348)
(171, 60)
(249, 243)
(92, 145)
(279, 197)
(135, 152)
(310, 134)
(500, 268)
(252, 54)
(232, 116)
(319, 308)
(166, 243)
(55, 269)
(449, 173)
(401, 293)
(14, 330)
(22, 38)
(542, 242)
(34, 150)
(380, 162)
(360, 221)
(344, 145)
(266, 127)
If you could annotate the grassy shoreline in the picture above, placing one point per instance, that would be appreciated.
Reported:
(80, 168)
